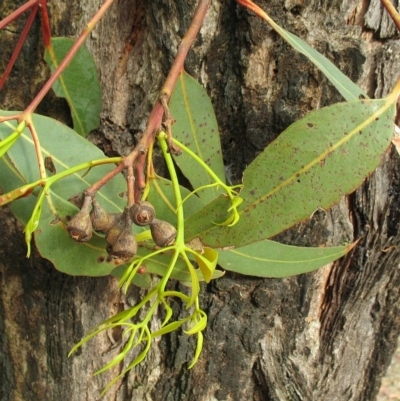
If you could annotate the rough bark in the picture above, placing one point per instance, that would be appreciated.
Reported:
(328, 335)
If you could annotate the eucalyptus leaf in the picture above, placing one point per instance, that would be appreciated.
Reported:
(272, 259)
(196, 127)
(310, 165)
(347, 88)
(66, 149)
(19, 167)
(78, 84)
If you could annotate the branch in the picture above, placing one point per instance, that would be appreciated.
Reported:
(67, 59)
(160, 108)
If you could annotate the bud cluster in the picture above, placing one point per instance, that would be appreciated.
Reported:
(117, 227)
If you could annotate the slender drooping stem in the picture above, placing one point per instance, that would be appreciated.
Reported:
(160, 108)
(67, 59)
(19, 45)
(392, 12)
(177, 66)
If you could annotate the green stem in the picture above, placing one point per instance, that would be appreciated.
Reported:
(21, 191)
(8, 142)
(200, 161)
(162, 139)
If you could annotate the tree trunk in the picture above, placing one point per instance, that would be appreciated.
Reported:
(327, 335)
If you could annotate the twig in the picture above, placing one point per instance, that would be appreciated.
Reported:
(38, 150)
(140, 178)
(177, 66)
(15, 14)
(27, 113)
(130, 179)
(67, 59)
(46, 32)
(392, 12)
(18, 47)
(35, 4)
(156, 116)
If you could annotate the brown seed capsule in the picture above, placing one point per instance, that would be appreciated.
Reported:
(121, 242)
(113, 233)
(101, 220)
(80, 226)
(163, 233)
(77, 200)
(126, 246)
(143, 213)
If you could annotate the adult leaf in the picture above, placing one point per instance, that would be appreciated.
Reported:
(66, 149)
(348, 89)
(78, 84)
(20, 167)
(271, 259)
(196, 127)
(312, 164)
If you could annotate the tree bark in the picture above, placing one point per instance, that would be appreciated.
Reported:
(327, 335)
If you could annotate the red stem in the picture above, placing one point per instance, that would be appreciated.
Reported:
(19, 45)
(67, 59)
(156, 115)
(15, 14)
(46, 31)
(184, 47)
(130, 178)
(140, 178)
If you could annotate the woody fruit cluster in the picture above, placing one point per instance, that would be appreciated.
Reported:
(117, 227)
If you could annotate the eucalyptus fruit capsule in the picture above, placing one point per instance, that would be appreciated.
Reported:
(101, 220)
(162, 232)
(143, 213)
(80, 227)
(121, 242)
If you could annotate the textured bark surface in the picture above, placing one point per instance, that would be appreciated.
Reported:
(328, 335)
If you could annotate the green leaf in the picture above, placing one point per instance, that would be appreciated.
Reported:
(310, 165)
(196, 127)
(78, 84)
(271, 259)
(347, 88)
(52, 239)
(210, 216)
(67, 149)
